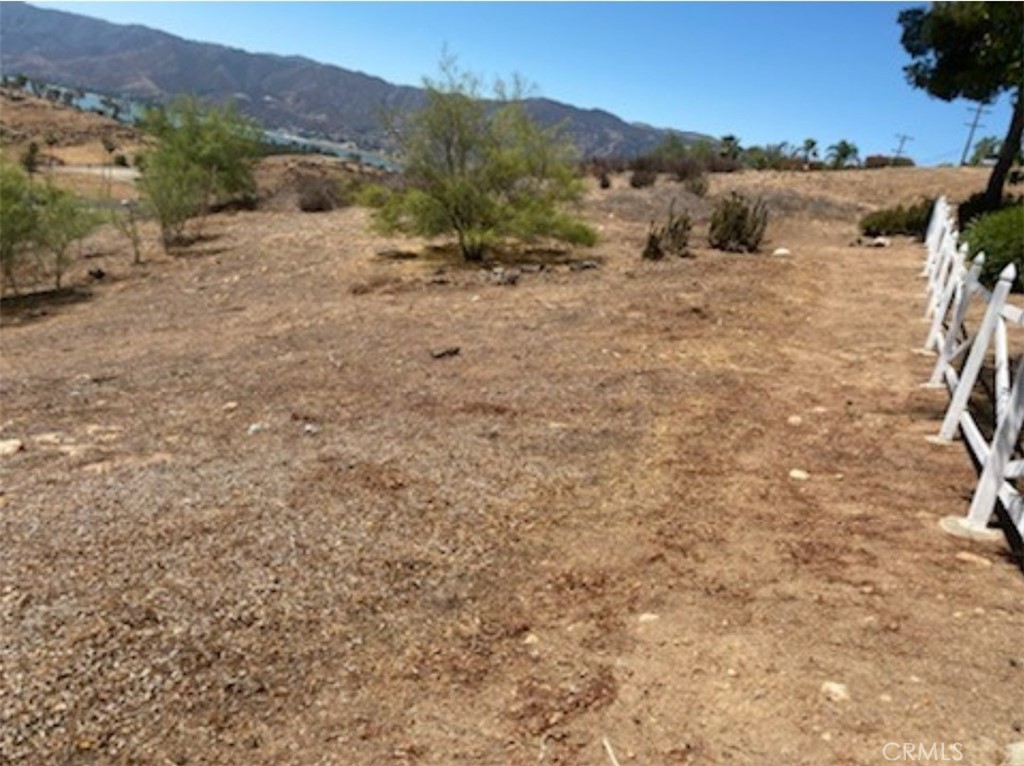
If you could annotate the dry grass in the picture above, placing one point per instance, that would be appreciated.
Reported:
(256, 521)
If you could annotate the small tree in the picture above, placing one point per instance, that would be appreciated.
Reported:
(203, 154)
(19, 223)
(63, 219)
(843, 153)
(482, 172)
(809, 150)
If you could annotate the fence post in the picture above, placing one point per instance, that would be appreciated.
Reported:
(979, 347)
(960, 304)
(994, 471)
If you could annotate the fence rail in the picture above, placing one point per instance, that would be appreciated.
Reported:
(953, 289)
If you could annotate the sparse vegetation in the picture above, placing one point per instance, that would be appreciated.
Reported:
(697, 185)
(204, 154)
(483, 174)
(20, 223)
(641, 178)
(30, 158)
(738, 224)
(909, 220)
(39, 221)
(670, 238)
(1000, 236)
(62, 220)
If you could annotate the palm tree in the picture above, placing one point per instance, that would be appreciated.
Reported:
(843, 153)
(810, 150)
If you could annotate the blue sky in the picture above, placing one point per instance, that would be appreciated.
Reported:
(766, 72)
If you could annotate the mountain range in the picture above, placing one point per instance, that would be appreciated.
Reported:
(289, 93)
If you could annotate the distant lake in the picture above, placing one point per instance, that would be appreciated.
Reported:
(131, 111)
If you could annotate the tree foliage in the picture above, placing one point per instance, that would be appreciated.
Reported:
(843, 153)
(203, 154)
(39, 221)
(484, 172)
(973, 51)
(19, 220)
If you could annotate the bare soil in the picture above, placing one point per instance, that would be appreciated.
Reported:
(266, 514)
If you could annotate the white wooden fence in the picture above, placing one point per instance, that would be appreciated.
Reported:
(953, 290)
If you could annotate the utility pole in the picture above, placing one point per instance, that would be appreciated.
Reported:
(973, 126)
(903, 139)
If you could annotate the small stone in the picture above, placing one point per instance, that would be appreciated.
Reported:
(583, 265)
(731, 672)
(257, 428)
(230, 406)
(794, 420)
(826, 736)
(835, 692)
(1015, 754)
(973, 558)
(10, 447)
(885, 698)
(309, 429)
(648, 617)
(798, 475)
(782, 252)
(881, 242)
(441, 353)
(531, 639)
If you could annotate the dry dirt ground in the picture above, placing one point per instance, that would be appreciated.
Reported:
(256, 521)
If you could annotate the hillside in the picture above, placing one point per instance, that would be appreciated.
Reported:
(255, 519)
(289, 93)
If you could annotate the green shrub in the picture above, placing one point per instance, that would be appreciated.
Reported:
(1000, 236)
(20, 221)
(738, 224)
(672, 238)
(911, 220)
(977, 205)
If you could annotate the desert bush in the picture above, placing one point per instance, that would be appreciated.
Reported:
(642, 178)
(686, 168)
(911, 220)
(738, 224)
(1000, 236)
(30, 158)
(121, 160)
(482, 172)
(63, 219)
(204, 157)
(20, 221)
(318, 194)
(671, 238)
(698, 185)
(885, 161)
(41, 222)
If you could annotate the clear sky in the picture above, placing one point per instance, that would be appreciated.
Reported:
(766, 72)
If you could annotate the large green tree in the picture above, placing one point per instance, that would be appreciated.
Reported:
(483, 171)
(975, 51)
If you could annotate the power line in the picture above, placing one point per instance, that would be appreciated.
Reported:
(903, 139)
(973, 125)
